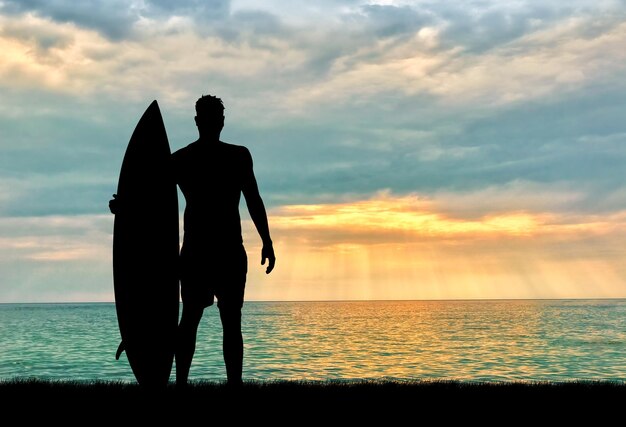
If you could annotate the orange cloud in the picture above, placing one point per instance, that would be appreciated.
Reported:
(390, 247)
(385, 218)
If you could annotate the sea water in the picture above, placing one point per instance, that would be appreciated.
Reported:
(556, 340)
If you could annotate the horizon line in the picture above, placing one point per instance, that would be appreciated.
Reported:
(358, 300)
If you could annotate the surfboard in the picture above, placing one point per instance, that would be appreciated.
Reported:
(146, 252)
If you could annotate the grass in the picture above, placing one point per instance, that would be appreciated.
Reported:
(312, 400)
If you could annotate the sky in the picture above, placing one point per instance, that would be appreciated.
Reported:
(404, 149)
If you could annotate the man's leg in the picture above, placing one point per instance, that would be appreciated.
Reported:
(233, 342)
(186, 341)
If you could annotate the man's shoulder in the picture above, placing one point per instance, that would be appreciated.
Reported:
(183, 154)
(234, 147)
(223, 149)
(237, 151)
(185, 149)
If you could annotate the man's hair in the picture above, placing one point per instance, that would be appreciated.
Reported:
(209, 105)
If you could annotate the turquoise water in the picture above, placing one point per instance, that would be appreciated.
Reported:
(467, 340)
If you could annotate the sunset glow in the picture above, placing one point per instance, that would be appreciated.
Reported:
(403, 248)
(411, 216)
(404, 150)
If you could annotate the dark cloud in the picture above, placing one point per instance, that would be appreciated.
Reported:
(574, 142)
(256, 28)
(70, 162)
(388, 140)
(115, 18)
(478, 27)
(61, 155)
(200, 10)
(44, 37)
(64, 126)
(386, 21)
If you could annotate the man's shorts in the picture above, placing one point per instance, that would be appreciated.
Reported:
(218, 272)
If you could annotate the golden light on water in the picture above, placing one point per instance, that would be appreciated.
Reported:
(477, 340)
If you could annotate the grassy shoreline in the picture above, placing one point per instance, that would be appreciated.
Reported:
(364, 400)
(323, 388)
(328, 385)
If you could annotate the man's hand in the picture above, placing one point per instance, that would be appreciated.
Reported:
(267, 253)
(114, 205)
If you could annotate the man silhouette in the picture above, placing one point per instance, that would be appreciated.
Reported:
(212, 175)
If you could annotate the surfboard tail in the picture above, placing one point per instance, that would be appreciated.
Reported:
(120, 350)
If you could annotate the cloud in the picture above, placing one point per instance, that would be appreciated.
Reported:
(55, 258)
(92, 65)
(408, 247)
(112, 18)
(56, 238)
(497, 114)
(59, 57)
(384, 247)
(376, 50)
(558, 59)
(389, 21)
(117, 19)
(45, 37)
(389, 219)
(357, 127)
(211, 8)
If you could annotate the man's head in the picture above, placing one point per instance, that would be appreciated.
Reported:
(209, 116)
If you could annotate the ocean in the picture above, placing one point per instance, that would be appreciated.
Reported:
(556, 340)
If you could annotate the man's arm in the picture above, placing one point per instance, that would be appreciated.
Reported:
(257, 212)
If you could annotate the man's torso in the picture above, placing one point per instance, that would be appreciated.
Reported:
(211, 177)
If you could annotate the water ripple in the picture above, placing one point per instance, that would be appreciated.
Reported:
(467, 340)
